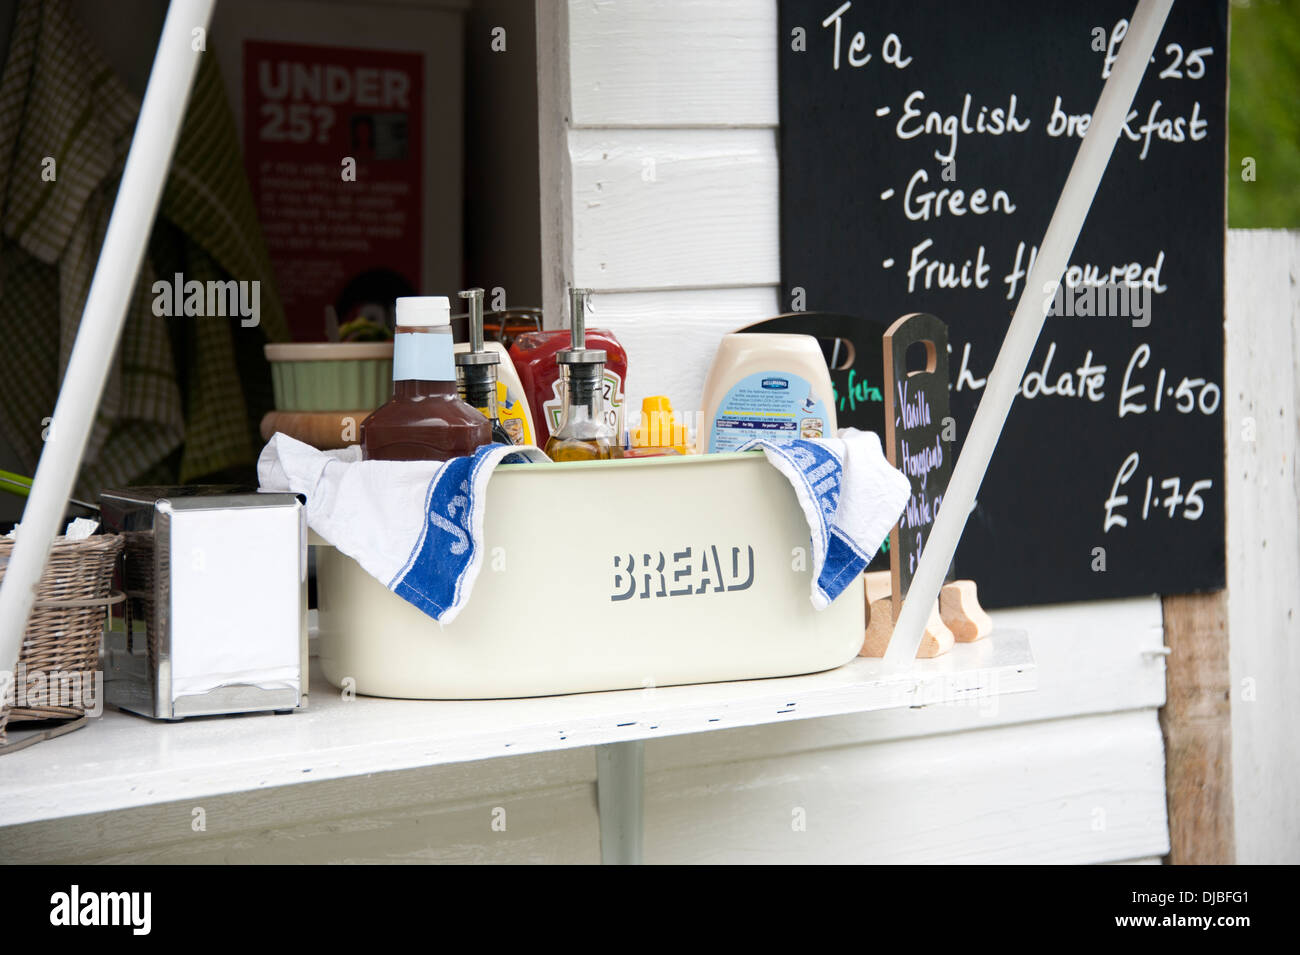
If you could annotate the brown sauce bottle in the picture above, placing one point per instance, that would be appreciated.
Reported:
(425, 420)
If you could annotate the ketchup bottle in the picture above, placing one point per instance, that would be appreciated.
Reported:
(534, 357)
(425, 420)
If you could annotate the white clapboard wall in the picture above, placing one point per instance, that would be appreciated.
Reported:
(659, 173)
(1262, 392)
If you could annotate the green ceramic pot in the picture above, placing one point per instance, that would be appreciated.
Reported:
(331, 376)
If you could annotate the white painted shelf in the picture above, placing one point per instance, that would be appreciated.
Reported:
(123, 761)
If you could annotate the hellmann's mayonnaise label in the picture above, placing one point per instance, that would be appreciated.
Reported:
(768, 405)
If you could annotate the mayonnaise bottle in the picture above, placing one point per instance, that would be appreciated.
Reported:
(768, 386)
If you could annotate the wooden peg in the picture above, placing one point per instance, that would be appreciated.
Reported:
(878, 584)
(960, 609)
(938, 638)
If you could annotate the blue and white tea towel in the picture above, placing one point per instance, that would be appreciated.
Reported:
(417, 526)
(850, 495)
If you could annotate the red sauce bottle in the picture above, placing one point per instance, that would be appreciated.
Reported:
(533, 354)
(425, 420)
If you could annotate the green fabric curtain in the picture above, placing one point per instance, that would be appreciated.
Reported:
(184, 393)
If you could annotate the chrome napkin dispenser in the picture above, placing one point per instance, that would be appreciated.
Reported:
(215, 619)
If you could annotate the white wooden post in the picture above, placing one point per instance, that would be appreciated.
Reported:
(620, 801)
(143, 177)
(1022, 335)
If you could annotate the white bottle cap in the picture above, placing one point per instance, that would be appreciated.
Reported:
(424, 310)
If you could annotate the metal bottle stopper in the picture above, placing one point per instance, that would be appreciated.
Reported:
(477, 354)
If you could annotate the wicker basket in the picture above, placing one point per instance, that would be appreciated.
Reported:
(67, 622)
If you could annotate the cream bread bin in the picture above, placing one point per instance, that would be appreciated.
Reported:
(601, 576)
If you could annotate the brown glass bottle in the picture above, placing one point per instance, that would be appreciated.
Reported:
(425, 420)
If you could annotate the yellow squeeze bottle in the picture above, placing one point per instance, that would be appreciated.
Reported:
(658, 427)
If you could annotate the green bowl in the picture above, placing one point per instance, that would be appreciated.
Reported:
(331, 376)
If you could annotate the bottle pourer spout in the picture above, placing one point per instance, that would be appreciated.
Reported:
(578, 318)
(475, 299)
(477, 357)
(578, 353)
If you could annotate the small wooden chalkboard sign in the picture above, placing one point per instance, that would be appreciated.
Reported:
(918, 435)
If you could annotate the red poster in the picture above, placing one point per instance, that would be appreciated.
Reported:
(332, 141)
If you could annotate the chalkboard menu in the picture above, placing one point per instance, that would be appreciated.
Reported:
(924, 145)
